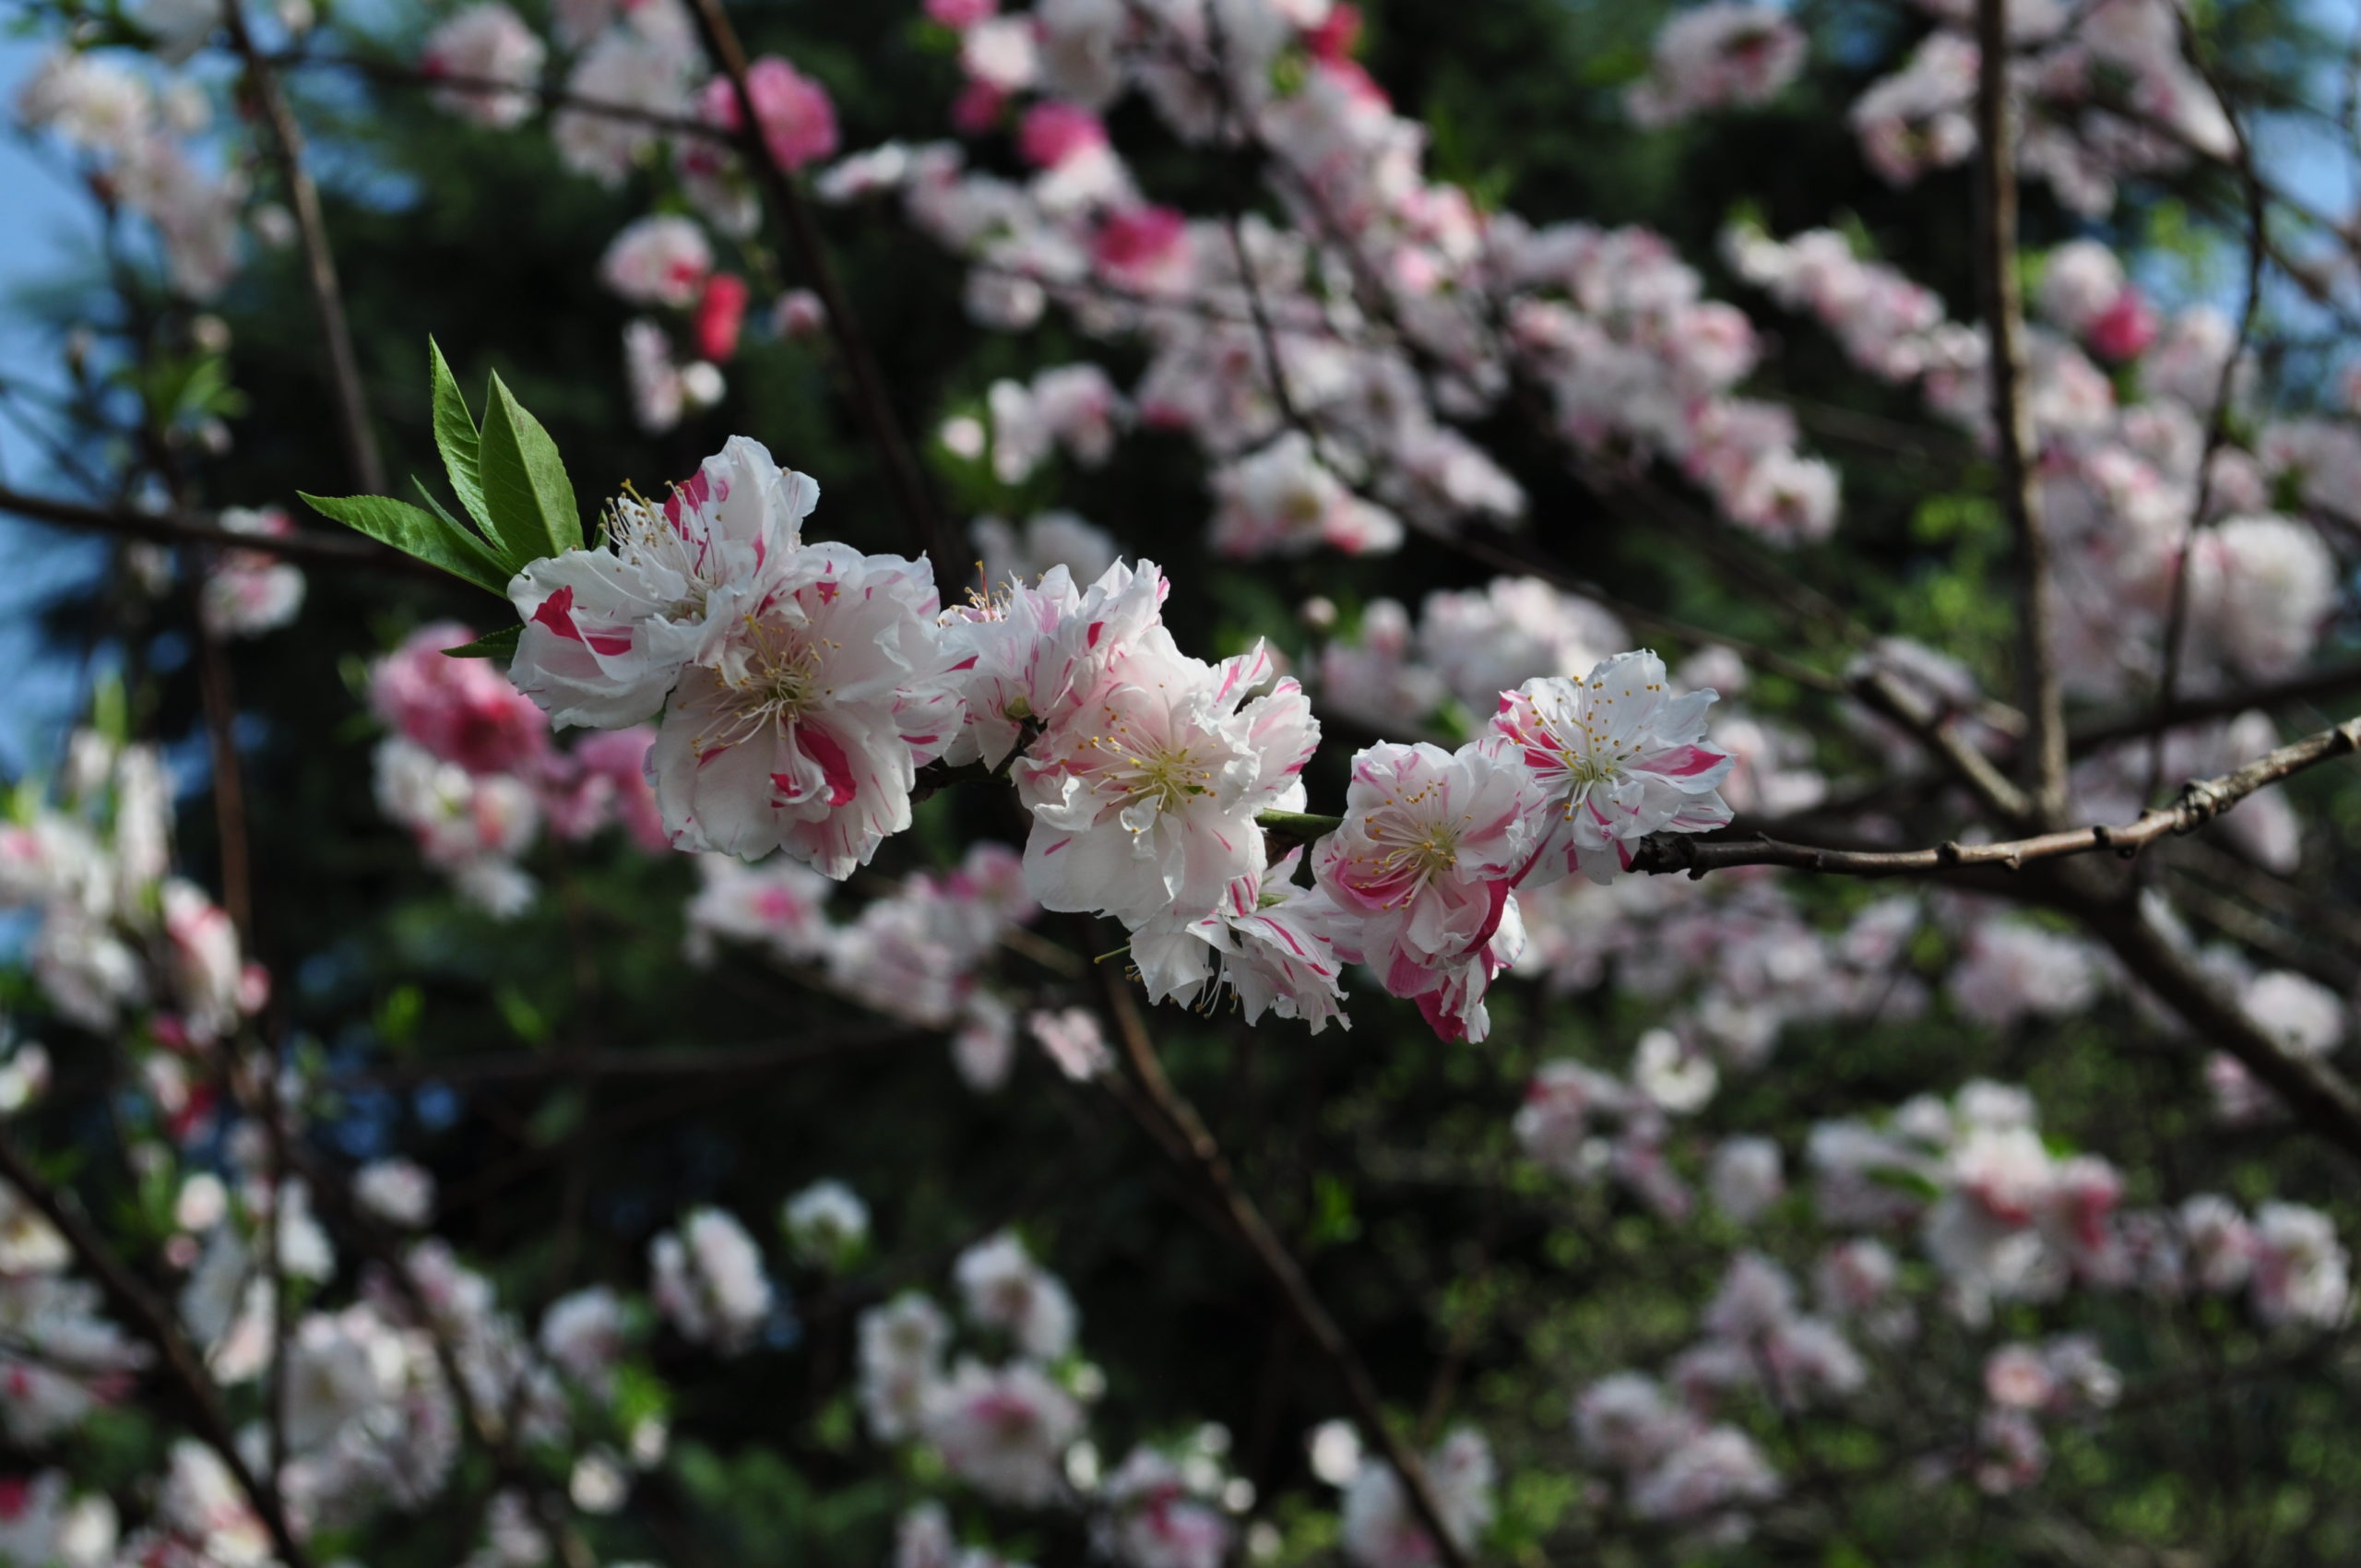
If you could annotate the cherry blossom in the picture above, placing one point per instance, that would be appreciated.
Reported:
(1613, 757)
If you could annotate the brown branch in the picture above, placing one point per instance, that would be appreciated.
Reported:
(2200, 802)
(719, 1061)
(2332, 682)
(339, 552)
(2317, 1096)
(149, 1318)
(319, 262)
(1202, 1157)
(868, 383)
(2218, 419)
(1880, 691)
(394, 74)
(2042, 763)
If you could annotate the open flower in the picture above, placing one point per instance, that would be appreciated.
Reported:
(1431, 843)
(1615, 759)
(1271, 943)
(608, 631)
(1144, 799)
(806, 727)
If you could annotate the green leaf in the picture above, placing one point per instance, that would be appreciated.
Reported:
(530, 501)
(439, 509)
(418, 533)
(456, 438)
(501, 644)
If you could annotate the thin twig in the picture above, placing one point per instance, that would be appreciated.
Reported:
(392, 74)
(2200, 800)
(319, 262)
(1206, 1160)
(868, 383)
(2217, 420)
(2042, 766)
(2316, 1095)
(715, 1061)
(2335, 681)
(340, 551)
(149, 1318)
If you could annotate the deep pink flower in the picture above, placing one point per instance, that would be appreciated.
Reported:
(1139, 245)
(720, 313)
(977, 108)
(961, 15)
(798, 121)
(2124, 330)
(1053, 132)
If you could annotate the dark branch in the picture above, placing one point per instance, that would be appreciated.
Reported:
(2200, 800)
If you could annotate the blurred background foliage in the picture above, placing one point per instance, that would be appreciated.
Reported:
(1478, 1289)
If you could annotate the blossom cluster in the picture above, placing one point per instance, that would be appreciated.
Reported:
(2131, 492)
(803, 684)
(468, 768)
(118, 936)
(640, 92)
(1727, 52)
(1322, 367)
(918, 954)
(2102, 88)
(138, 141)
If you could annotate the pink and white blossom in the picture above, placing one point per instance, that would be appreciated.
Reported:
(1613, 758)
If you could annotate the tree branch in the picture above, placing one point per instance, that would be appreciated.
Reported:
(2042, 765)
(868, 385)
(2200, 802)
(338, 551)
(2331, 682)
(319, 262)
(2318, 1096)
(1204, 1157)
(154, 1324)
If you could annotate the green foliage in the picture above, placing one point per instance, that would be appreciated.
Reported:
(415, 532)
(508, 477)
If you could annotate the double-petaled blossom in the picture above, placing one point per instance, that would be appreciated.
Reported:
(1285, 500)
(708, 1281)
(1431, 843)
(900, 1352)
(1003, 1430)
(489, 62)
(1380, 1528)
(1034, 654)
(660, 260)
(608, 631)
(1271, 942)
(1158, 1520)
(1143, 800)
(1003, 1288)
(1613, 758)
(805, 727)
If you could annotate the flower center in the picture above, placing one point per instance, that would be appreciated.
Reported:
(772, 675)
(1163, 775)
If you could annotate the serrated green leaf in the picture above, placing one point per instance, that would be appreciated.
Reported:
(529, 498)
(438, 508)
(456, 437)
(418, 533)
(501, 644)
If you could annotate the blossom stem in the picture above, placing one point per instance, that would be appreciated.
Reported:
(1298, 827)
(319, 261)
(2200, 800)
(868, 385)
(154, 1324)
(1186, 1136)
(2042, 762)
